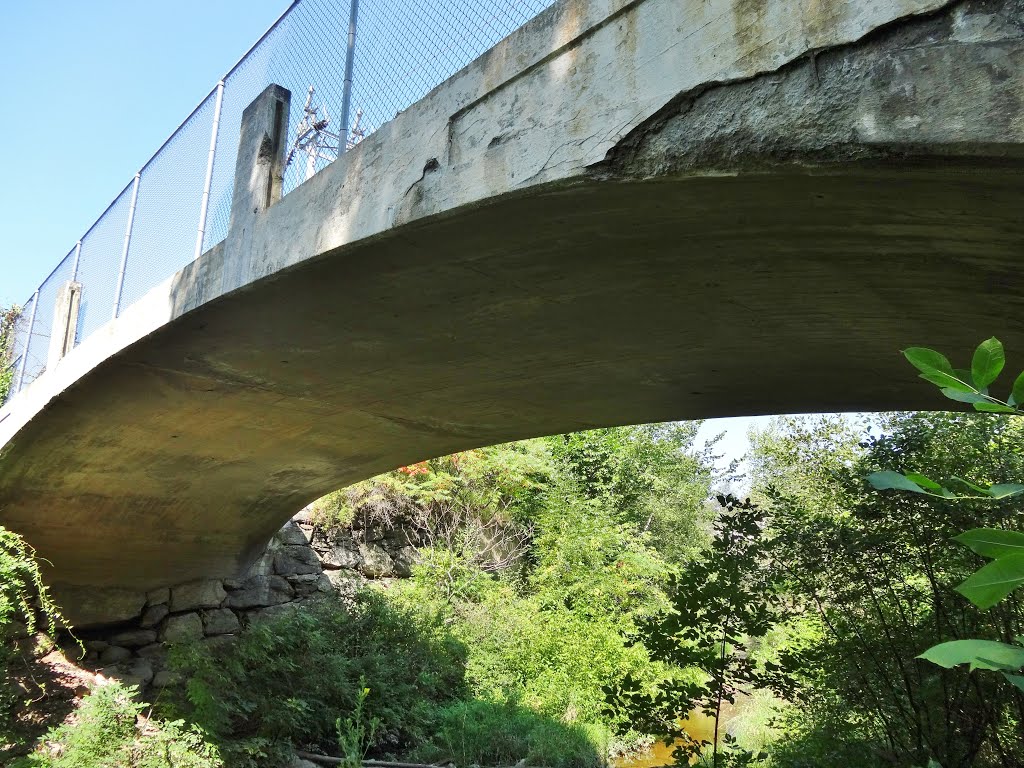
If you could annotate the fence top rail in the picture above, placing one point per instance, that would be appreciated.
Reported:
(237, 75)
(190, 115)
(259, 42)
(219, 83)
(100, 217)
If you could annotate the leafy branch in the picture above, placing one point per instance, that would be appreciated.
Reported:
(1005, 573)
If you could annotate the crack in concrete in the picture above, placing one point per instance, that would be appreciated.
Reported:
(622, 159)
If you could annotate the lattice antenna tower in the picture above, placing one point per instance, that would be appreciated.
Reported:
(357, 132)
(312, 137)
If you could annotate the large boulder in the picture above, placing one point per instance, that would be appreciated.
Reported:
(154, 614)
(221, 621)
(133, 638)
(195, 595)
(404, 559)
(183, 628)
(294, 559)
(91, 606)
(344, 553)
(376, 561)
(114, 654)
(307, 584)
(291, 534)
(344, 580)
(258, 591)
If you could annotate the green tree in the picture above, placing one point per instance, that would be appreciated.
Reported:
(652, 476)
(720, 604)
(8, 326)
(874, 572)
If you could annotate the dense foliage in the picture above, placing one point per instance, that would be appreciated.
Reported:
(720, 605)
(25, 608)
(288, 679)
(108, 732)
(538, 563)
(8, 324)
(995, 581)
(579, 595)
(875, 575)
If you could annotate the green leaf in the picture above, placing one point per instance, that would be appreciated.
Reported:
(995, 581)
(889, 480)
(1017, 680)
(973, 487)
(987, 364)
(992, 542)
(980, 654)
(963, 397)
(1018, 389)
(1005, 490)
(927, 360)
(946, 381)
(994, 408)
(923, 481)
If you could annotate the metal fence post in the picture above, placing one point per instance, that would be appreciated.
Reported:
(204, 206)
(74, 264)
(28, 340)
(350, 57)
(127, 242)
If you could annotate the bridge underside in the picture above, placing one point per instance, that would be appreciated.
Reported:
(581, 306)
(754, 247)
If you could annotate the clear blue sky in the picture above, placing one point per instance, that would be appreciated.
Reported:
(91, 90)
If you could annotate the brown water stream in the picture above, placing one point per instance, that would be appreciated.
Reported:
(698, 726)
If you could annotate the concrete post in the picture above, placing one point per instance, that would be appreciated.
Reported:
(65, 322)
(259, 172)
(259, 167)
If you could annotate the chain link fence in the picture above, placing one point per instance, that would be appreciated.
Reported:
(179, 205)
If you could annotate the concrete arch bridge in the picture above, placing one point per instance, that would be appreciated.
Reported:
(627, 211)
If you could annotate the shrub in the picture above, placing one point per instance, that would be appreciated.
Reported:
(25, 607)
(8, 324)
(286, 681)
(487, 733)
(104, 735)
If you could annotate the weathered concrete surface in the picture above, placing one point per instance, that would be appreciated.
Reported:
(626, 212)
(65, 322)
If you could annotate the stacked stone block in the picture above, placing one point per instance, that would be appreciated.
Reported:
(298, 564)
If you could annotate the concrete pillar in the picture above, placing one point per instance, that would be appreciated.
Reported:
(65, 322)
(259, 171)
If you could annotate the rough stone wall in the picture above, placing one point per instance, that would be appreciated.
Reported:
(298, 564)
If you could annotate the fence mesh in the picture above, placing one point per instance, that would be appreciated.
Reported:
(403, 49)
(42, 327)
(22, 334)
(100, 263)
(307, 47)
(167, 210)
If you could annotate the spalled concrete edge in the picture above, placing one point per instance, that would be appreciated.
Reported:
(884, 99)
